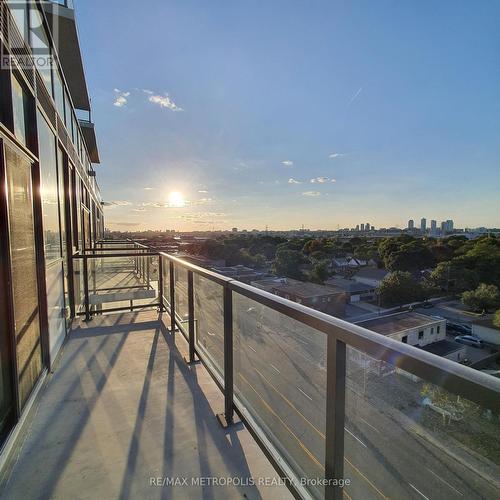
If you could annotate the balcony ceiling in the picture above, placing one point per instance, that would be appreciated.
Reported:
(68, 47)
(88, 131)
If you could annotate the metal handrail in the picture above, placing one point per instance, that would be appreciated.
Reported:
(453, 377)
(456, 378)
(460, 379)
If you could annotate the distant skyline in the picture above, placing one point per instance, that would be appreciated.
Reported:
(235, 114)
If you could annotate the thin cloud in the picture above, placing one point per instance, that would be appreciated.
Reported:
(117, 203)
(294, 181)
(287, 163)
(164, 101)
(119, 223)
(311, 193)
(202, 191)
(336, 155)
(355, 96)
(121, 98)
(322, 180)
(148, 189)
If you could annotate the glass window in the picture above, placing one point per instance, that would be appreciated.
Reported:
(19, 11)
(23, 268)
(20, 110)
(59, 94)
(74, 130)
(50, 203)
(41, 49)
(67, 117)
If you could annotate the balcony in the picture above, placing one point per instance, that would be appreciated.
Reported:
(61, 19)
(336, 410)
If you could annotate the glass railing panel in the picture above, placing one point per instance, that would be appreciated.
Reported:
(406, 438)
(166, 281)
(181, 298)
(209, 321)
(122, 282)
(280, 381)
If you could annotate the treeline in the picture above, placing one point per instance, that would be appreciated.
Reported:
(455, 265)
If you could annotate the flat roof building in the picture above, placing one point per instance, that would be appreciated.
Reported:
(408, 327)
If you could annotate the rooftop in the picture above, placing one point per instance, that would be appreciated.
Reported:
(350, 286)
(395, 323)
(376, 274)
(295, 287)
(443, 347)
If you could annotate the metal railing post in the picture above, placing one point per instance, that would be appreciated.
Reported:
(190, 282)
(335, 417)
(160, 283)
(226, 418)
(86, 298)
(172, 298)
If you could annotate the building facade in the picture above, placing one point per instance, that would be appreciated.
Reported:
(49, 201)
(319, 297)
(409, 327)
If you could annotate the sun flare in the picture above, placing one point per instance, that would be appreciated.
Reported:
(176, 199)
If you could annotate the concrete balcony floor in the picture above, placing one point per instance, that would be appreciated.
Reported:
(121, 408)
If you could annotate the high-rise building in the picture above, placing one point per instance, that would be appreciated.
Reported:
(362, 227)
(433, 226)
(423, 224)
(50, 205)
(411, 224)
(367, 226)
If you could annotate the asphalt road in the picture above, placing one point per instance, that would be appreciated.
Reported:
(280, 374)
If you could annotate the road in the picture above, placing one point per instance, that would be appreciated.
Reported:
(280, 375)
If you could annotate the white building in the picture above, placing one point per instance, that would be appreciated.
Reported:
(408, 327)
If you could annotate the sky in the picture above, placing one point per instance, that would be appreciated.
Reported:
(290, 113)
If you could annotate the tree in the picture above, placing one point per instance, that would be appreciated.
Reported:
(483, 298)
(454, 277)
(319, 273)
(288, 263)
(412, 256)
(496, 318)
(399, 288)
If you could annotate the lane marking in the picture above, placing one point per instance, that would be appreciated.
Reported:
(211, 334)
(445, 482)
(301, 444)
(426, 498)
(355, 437)
(274, 368)
(308, 397)
(317, 430)
(365, 478)
(369, 425)
(307, 421)
(250, 347)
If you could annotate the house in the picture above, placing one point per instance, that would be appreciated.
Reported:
(344, 264)
(408, 327)
(370, 276)
(319, 297)
(486, 330)
(354, 291)
(419, 330)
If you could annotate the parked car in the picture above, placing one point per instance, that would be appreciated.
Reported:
(459, 328)
(426, 305)
(469, 340)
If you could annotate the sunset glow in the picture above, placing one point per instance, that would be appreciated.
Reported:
(176, 199)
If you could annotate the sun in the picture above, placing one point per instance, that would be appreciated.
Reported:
(176, 199)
